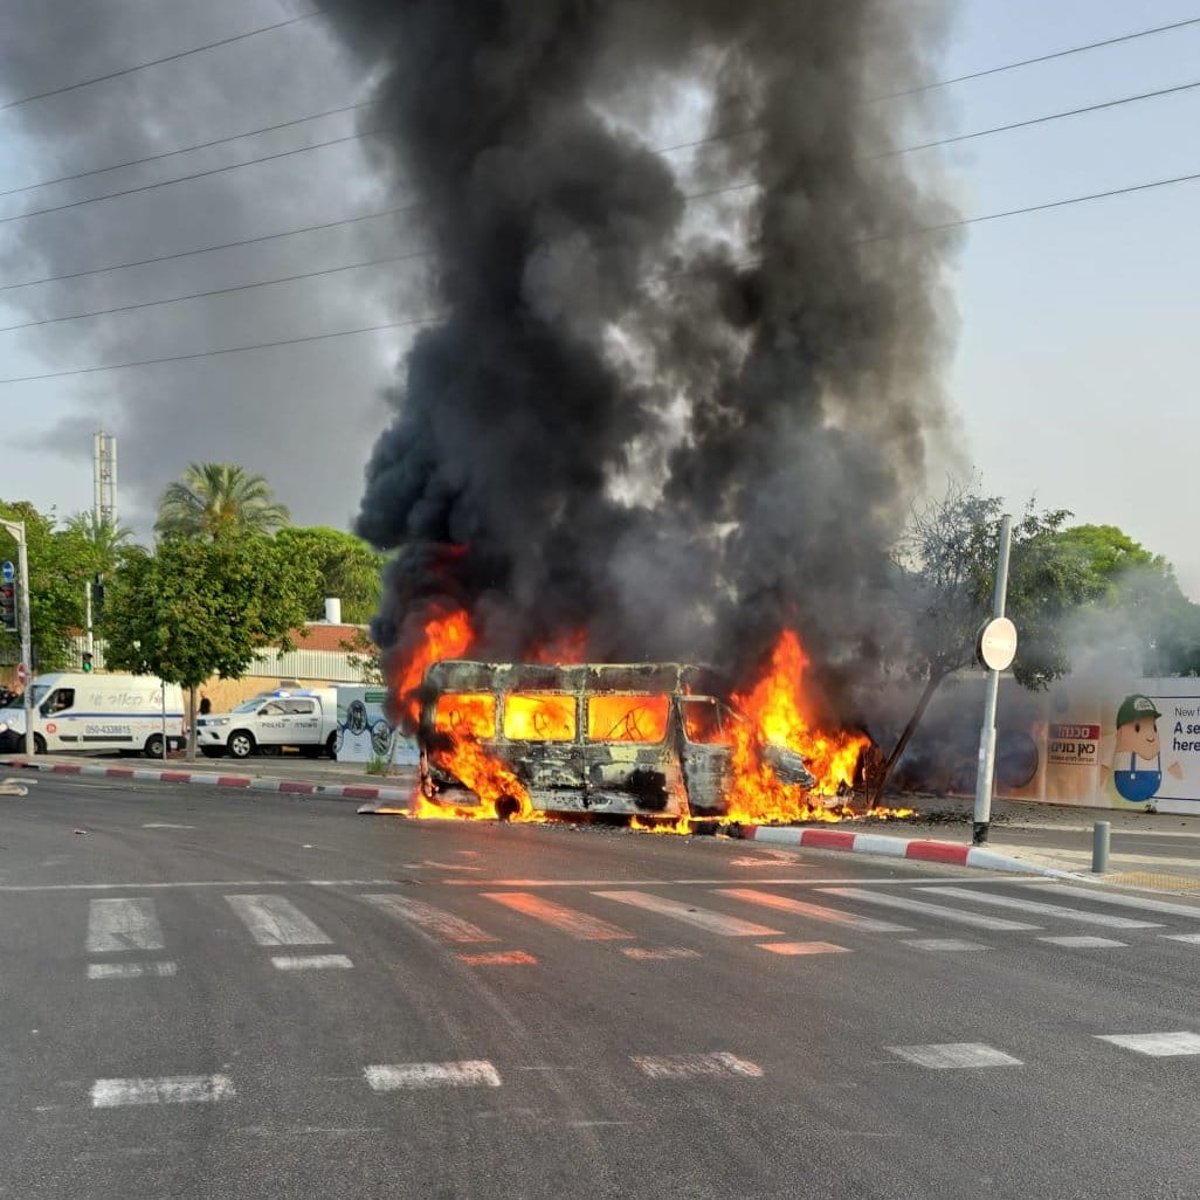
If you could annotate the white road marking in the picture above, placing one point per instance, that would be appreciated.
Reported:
(276, 921)
(803, 948)
(713, 922)
(403, 1076)
(907, 881)
(188, 884)
(115, 925)
(168, 1089)
(442, 924)
(658, 954)
(1193, 938)
(818, 912)
(1142, 902)
(1156, 1045)
(1082, 942)
(574, 924)
(130, 970)
(311, 962)
(955, 1054)
(939, 944)
(165, 825)
(930, 910)
(689, 1066)
(1082, 916)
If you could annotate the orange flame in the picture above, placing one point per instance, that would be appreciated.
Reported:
(445, 637)
(775, 716)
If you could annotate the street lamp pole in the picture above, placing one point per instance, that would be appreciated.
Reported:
(17, 529)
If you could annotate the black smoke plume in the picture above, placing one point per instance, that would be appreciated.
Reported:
(679, 422)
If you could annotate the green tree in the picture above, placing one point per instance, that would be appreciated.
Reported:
(945, 572)
(212, 499)
(334, 564)
(1140, 615)
(60, 564)
(197, 608)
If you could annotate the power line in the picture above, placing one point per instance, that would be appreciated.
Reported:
(240, 287)
(1034, 208)
(150, 187)
(1056, 116)
(430, 319)
(251, 241)
(170, 358)
(137, 162)
(239, 37)
(1041, 58)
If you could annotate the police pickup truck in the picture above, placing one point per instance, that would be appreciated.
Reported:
(298, 719)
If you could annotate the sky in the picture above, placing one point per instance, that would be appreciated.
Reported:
(1075, 355)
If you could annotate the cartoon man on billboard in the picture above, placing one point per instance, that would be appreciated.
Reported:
(1136, 772)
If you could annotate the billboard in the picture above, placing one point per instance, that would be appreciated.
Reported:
(364, 733)
(1125, 744)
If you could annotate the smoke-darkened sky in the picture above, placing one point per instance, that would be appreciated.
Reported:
(1070, 322)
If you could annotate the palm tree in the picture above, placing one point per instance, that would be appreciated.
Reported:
(215, 498)
(105, 540)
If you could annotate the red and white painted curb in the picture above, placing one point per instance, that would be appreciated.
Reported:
(953, 853)
(249, 783)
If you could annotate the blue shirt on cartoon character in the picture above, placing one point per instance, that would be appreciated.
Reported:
(1136, 772)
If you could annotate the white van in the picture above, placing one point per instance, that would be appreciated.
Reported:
(83, 711)
(303, 719)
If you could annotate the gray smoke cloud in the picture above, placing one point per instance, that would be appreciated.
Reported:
(678, 424)
(305, 415)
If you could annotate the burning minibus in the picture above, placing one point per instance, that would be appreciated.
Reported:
(650, 740)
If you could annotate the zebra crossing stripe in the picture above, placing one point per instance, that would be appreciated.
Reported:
(1079, 915)
(1142, 902)
(689, 1066)
(123, 924)
(414, 1076)
(574, 924)
(978, 920)
(703, 918)
(168, 1089)
(818, 912)
(952, 1055)
(130, 970)
(441, 924)
(276, 921)
(311, 962)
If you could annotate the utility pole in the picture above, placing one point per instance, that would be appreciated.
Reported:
(17, 529)
(996, 649)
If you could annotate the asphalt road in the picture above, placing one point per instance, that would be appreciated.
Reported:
(212, 995)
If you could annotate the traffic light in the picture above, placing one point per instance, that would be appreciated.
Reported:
(87, 662)
(8, 607)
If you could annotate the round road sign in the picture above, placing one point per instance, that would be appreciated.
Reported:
(997, 644)
(21, 674)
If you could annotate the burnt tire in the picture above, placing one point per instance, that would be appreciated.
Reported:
(507, 807)
(240, 744)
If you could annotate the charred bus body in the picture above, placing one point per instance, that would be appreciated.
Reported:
(641, 739)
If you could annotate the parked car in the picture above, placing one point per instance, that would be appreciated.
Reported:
(303, 719)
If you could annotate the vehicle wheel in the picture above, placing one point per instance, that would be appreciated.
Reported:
(154, 746)
(331, 745)
(39, 744)
(240, 744)
(213, 751)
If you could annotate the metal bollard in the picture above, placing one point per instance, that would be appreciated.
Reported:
(1101, 833)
